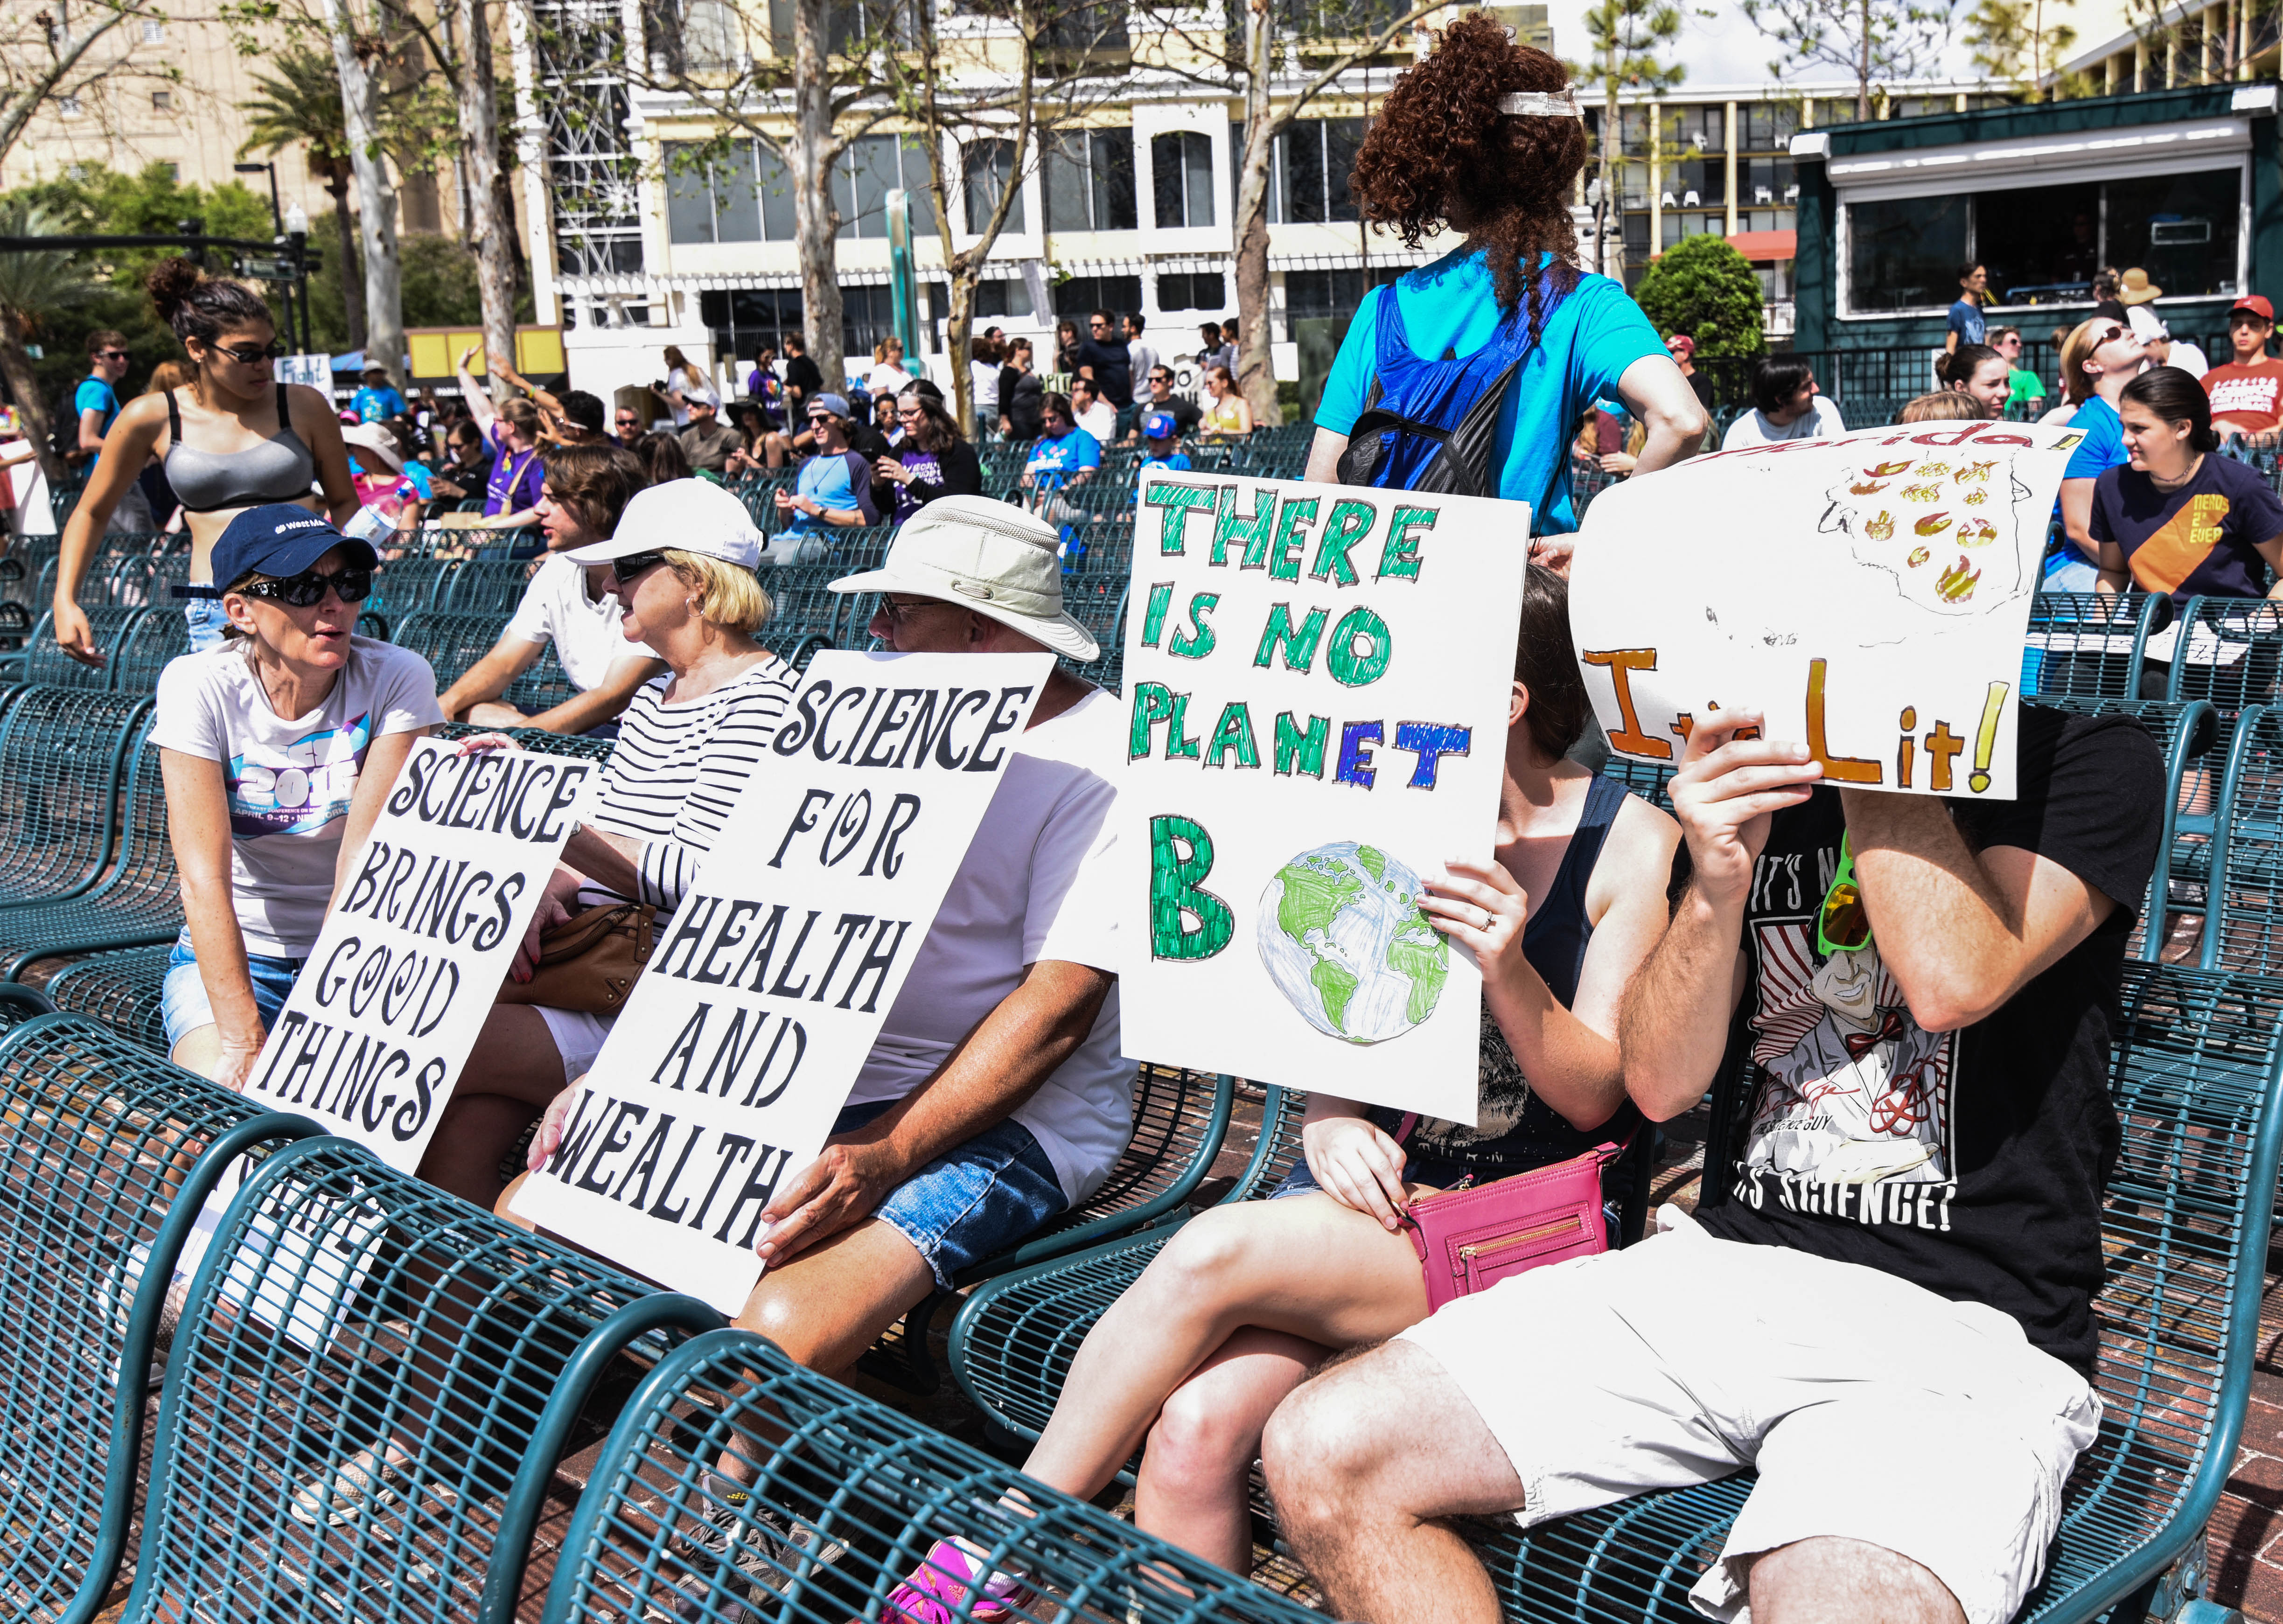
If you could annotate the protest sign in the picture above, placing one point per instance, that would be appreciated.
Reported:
(1317, 683)
(404, 972)
(766, 989)
(1869, 593)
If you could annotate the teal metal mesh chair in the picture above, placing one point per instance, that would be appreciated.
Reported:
(139, 901)
(122, 990)
(46, 664)
(147, 578)
(162, 634)
(2244, 932)
(407, 586)
(341, 1304)
(1013, 1342)
(852, 1479)
(2229, 651)
(2194, 1079)
(451, 642)
(107, 1153)
(805, 613)
(2089, 645)
(484, 586)
(1097, 601)
(1180, 1119)
(2187, 733)
(536, 739)
(1649, 780)
(62, 755)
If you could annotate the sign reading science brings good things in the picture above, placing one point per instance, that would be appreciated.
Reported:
(1317, 681)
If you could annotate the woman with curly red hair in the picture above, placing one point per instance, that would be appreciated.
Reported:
(1496, 348)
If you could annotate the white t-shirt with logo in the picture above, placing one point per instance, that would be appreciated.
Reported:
(1819, 421)
(1034, 885)
(584, 631)
(289, 780)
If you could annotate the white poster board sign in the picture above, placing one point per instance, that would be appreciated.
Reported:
(1869, 593)
(740, 1043)
(316, 371)
(404, 973)
(1317, 680)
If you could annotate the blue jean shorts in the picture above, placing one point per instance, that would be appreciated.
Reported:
(973, 1202)
(183, 1002)
(206, 621)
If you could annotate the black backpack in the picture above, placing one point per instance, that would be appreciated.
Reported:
(63, 432)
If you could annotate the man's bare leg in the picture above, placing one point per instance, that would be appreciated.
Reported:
(1361, 1460)
(1835, 1581)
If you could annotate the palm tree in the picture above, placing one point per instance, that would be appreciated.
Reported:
(300, 106)
(34, 286)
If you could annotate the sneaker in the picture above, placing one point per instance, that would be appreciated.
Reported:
(371, 1482)
(952, 1569)
(768, 1547)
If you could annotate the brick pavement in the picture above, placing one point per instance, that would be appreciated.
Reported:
(2246, 1533)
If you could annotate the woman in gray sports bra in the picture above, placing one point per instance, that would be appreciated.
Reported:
(234, 439)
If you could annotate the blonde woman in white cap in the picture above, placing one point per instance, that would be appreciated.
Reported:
(687, 743)
(997, 1095)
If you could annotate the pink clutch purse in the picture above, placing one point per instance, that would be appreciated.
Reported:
(1468, 1239)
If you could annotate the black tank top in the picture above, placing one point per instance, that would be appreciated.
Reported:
(1519, 1131)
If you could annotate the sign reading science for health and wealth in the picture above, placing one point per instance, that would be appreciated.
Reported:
(1869, 593)
(766, 991)
(1317, 681)
(379, 1024)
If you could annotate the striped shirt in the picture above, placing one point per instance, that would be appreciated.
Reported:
(676, 771)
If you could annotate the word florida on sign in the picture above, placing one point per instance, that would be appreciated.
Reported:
(1317, 680)
(379, 1024)
(1868, 592)
(766, 989)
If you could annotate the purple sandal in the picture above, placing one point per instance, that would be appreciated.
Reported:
(932, 1594)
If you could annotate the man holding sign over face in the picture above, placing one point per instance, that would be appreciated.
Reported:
(993, 1095)
(1888, 1315)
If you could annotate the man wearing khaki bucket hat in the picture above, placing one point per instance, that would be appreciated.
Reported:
(996, 1096)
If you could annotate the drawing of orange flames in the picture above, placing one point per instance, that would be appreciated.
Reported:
(1882, 528)
(1956, 583)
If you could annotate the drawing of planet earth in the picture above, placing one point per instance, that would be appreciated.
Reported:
(1342, 938)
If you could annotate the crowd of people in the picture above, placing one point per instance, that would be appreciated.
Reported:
(1919, 993)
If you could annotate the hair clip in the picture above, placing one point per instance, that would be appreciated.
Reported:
(1541, 105)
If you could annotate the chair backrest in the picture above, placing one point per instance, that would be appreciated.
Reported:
(538, 739)
(409, 585)
(2228, 650)
(484, 586)
(2089, 645)
(341, 1305)
(45, 662)
(162, 634)
(1097, 601)
(856, 1474)
(1651, 780)
(98, 1140)
(144, 876)
(2243, 929)
(62, 752)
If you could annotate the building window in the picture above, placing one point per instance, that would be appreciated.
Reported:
(162, 101)
(1181, 179)
(1697, 129)
(2042, 243)
(875, 165)
(154, 32)
(172, 172)
(1314, 158)
(67, 106)
(1192, 290)
(744, 193)
(1766, 126)
(1310, 295)
(1081, 296)
(1089, 180)
(989, 169)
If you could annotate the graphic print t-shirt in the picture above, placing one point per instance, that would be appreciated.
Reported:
(2202, 538)
(2251, 397)
(1968, 1163)
(289, 780)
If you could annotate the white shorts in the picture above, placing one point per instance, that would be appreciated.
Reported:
(1872, 1409)
(578, 1038)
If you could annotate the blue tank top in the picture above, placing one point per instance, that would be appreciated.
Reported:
(1518, 1131)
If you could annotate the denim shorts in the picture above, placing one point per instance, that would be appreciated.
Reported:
(206, 621)
(973, 1202)
(183, 1002)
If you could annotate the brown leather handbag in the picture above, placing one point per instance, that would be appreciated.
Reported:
(589, 962)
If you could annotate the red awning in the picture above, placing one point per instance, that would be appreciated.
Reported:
(1763, 245)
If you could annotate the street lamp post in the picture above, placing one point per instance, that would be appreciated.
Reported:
(296, 239)
(277, 218)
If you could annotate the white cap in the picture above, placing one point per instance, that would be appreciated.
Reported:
(375, 437)
(997, 560)
(682, 515)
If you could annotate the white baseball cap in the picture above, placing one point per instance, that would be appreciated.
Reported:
(684, 515)
(998, 560)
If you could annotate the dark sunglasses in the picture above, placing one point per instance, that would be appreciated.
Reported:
(249, 354)
(2110, 336)
(113, 355)
(634, 563)
(307, 590)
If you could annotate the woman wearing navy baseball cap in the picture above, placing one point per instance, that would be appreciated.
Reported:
(278, 748)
